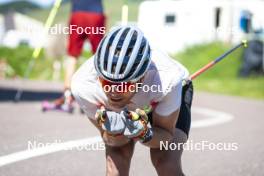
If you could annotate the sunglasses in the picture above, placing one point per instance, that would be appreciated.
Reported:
(121, 87)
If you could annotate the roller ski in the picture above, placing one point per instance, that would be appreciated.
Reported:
(63, 104)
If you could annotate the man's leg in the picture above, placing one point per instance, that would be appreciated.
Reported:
(168, 162)
(70, 66)
(118, 159)
(75, 45)
(119, 151)
(97, 22)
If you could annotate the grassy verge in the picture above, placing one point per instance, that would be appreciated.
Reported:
(18, 59)
(223, 77)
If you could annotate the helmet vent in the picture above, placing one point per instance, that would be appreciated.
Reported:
(113, 68)
(142, 50)
(105, 64)
(129, 52)
(117, 52)
(123, 67)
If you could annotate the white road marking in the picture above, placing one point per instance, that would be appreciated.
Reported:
(214, 118)
(26, 154)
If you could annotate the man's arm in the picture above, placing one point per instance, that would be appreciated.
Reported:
(165, 117)
(163, 128)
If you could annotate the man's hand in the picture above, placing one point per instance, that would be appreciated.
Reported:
(137, 126)
(113, 123)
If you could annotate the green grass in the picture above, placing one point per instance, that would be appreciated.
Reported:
(18, 60)
(222, 78)
(251, 87)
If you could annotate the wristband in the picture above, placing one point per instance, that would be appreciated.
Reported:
(147, 137)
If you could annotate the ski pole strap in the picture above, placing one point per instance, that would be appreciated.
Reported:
(101, 116)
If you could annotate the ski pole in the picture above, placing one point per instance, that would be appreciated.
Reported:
(212, 63)
(206, 67)
(37, 50)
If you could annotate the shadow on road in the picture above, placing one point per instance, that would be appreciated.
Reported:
(8, 94)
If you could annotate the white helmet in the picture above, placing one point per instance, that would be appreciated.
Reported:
(123, 55)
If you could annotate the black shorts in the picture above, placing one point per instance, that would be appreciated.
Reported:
(184, 120)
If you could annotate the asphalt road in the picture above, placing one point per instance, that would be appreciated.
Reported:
(216, 119)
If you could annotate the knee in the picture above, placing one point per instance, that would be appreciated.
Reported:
(126, 150)
(117, 165)
(118, 159)
(159, 159)
(123, 153)
(165, 164)
(114, 168)
(118, 141)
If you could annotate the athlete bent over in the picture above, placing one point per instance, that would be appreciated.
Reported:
(114, 87)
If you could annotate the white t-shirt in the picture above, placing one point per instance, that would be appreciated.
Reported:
(164, 76)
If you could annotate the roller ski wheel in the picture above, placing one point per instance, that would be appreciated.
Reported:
(51, 106)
